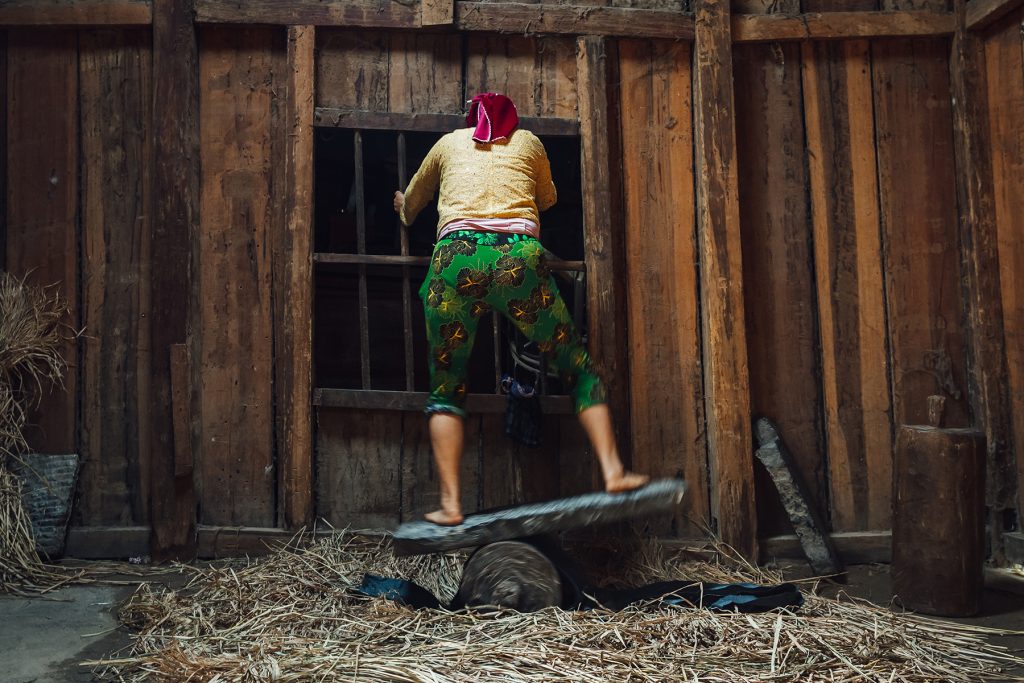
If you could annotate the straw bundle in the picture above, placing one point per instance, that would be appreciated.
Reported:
(31, 332)
(294, 617)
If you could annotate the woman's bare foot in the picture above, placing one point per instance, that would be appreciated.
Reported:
(627, 481)
(444, 517)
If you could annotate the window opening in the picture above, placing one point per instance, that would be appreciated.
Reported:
(368, 320)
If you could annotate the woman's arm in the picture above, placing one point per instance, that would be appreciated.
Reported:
(546, 193)
(422, 186)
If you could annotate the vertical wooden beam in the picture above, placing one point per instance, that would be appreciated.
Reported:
(988, 384)
(42, 194)
(603, 241)
(293, 287)
(3, 150)
(1004, 67)
(726, 379)
(175, 226)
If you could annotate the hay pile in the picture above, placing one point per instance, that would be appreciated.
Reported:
(31, 332)
(293, 617)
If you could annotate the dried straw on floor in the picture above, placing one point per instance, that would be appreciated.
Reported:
(293, 617)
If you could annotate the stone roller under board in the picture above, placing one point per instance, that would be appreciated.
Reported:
(657, 497)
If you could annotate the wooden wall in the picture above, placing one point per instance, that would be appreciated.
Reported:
(1004, 73)
(853, 291)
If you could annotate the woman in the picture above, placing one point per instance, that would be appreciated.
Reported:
(494, 179)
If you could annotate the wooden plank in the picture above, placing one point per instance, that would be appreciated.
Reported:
(603, 237)
(352, 70)
(778, 272)
(175, 224)
(181, 392)
(988, 382)
(984, 13)
(505, 64)
(293, 288)
(748, 28)
(234, 328)
(358, 468)
(416, 400)
(437, 12)
(364, 312)
(42, 196)
(362, 13)
(519, 18)
(1004, 66)
(666, 407)
(726, 380)
(77, 13)
(431, 123)
(847, 257)
(854, 547)
(3, 149)
(425, 76)
(916, 176)
(115, 97)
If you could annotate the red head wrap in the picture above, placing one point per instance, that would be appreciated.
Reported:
(493, 115)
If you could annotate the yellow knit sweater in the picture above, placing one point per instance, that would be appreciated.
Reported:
(509, 178)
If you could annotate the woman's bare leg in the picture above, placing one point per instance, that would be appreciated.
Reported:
(447, 434)
(597, 423)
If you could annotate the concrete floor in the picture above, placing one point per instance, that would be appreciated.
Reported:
(44, 639)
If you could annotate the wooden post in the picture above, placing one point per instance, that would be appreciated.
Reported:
(602, 234)
(988, 384)
(293, 283)
(938, 538)
(175, 221)
(726, 379)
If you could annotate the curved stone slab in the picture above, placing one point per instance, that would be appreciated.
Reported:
(658, 497)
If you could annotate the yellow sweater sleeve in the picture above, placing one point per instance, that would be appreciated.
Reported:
(546, 194)
(424, 183)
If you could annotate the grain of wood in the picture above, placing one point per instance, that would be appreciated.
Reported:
(352, 69)
(848, 272)
(235, 461)
(42, 196)
(115, 97)
(666, 410)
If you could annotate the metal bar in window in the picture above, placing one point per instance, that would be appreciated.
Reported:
(404, 246)
(497, 353)
(364, 309)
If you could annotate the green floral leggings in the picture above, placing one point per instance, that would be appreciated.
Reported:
(474, 272)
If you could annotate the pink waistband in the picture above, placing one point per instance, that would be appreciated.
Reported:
(522, 226)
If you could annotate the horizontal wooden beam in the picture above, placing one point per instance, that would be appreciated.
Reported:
(751, 28)
(396, 260)
(329, 117)
(982, 13)
(412, 401)
(77, 13)
(854, 547)
(349, 13)
(529, 19)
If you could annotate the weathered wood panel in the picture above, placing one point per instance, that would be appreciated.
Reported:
(726, 379)
(982, 13)
(778, 275)
(293, 283)
(79, 12)
(539, 74)
(3, 149)
(359, 468)
(425, 73)
(352, 70)
(235, 465)
(1004, 57)
(42, 196)
(851, 308)
(667, 410)
(839, 24)
(174, 232)
(115, 105)
(988, 380)
(916, 170)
